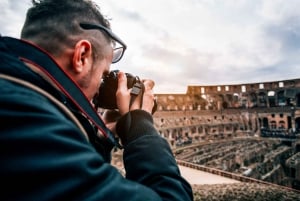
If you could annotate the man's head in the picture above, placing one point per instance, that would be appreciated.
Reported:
(85, 53)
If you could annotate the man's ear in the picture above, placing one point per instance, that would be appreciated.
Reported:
(82, 55)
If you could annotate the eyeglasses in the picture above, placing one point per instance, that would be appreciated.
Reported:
(118, 49)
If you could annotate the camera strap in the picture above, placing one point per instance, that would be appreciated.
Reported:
(30, 53)
(137, 88)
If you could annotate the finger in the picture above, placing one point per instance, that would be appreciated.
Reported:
(149, 84)
(122, 81)
(148, 100)
(122, 94)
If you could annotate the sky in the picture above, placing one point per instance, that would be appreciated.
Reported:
(178, 43)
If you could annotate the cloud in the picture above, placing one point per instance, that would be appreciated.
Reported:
(12, 16)
(197, 42)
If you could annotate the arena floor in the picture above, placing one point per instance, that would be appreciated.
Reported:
(199, 177)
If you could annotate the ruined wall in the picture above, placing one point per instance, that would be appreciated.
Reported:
(215, 116)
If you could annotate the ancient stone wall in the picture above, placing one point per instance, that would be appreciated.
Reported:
(208, 115)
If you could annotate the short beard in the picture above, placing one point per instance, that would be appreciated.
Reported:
(85, 81)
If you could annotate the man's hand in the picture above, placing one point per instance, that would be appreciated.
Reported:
(123, 96)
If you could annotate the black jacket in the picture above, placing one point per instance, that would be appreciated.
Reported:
(45, 156)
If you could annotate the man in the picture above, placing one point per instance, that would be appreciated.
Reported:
(54, 146)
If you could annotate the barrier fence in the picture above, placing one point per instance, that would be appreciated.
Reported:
(230, 175)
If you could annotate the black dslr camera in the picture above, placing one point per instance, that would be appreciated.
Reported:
(106, 96)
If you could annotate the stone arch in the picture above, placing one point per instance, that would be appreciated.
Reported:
(252, 99)
(262, 99)
(281, 124)
(271, 98)
(235, 100)
(273, 124)
(265, 122)
(298, 99)
(297, 124)
(281, 100)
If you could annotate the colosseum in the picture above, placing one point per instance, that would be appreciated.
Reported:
(246, 132)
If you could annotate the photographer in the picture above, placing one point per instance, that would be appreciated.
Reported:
(54, 145)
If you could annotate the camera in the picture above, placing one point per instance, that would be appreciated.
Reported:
(106, 96)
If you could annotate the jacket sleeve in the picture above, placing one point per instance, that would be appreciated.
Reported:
(46, 157)
(148, 158)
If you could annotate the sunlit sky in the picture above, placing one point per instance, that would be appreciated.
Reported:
(196, 42)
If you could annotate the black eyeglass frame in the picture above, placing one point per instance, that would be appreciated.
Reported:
(109, 33)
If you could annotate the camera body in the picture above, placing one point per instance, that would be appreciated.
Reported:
(106, 96)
